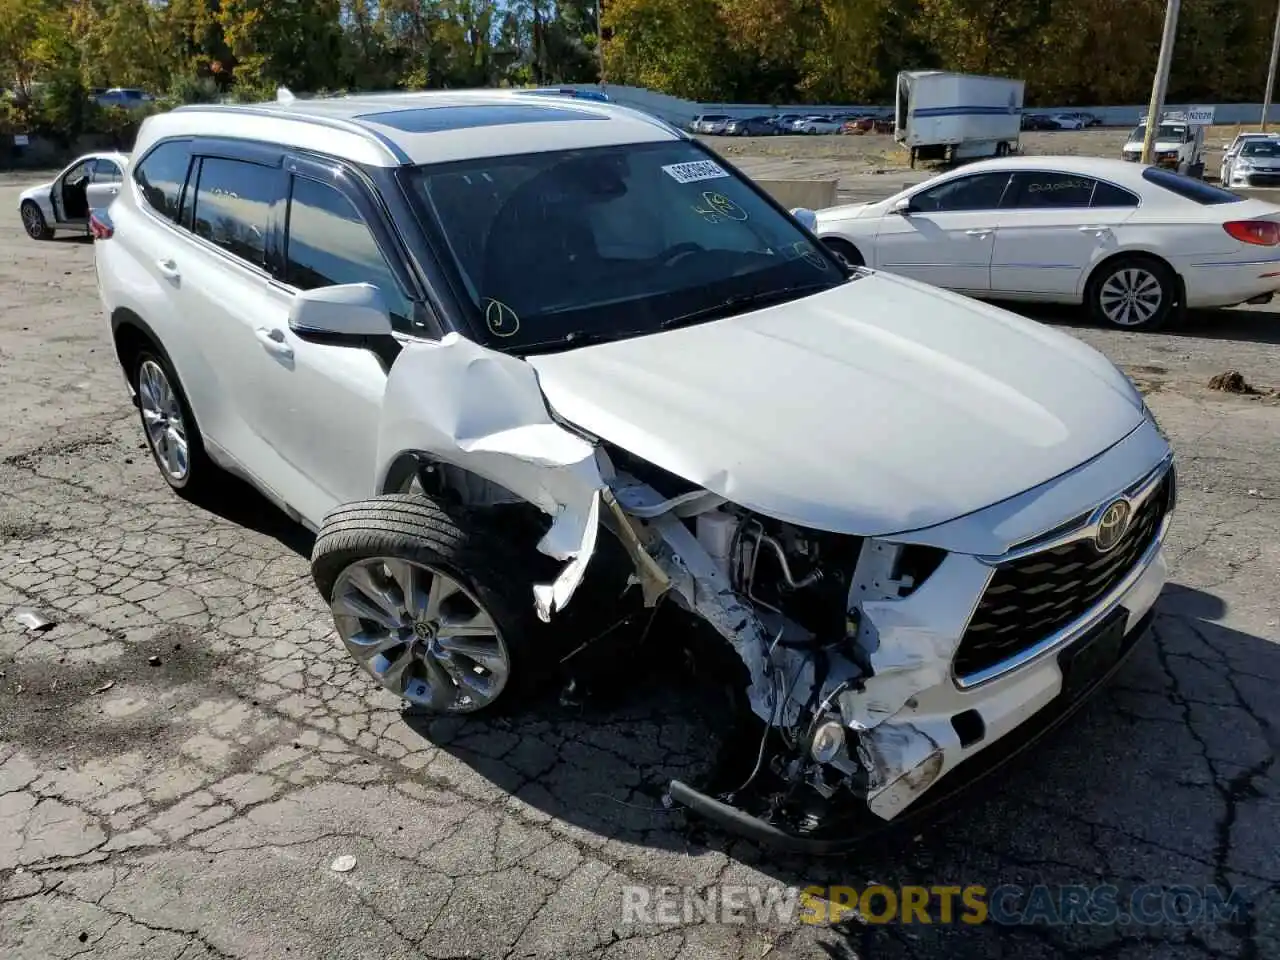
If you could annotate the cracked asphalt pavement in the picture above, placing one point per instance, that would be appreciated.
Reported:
(186, 751)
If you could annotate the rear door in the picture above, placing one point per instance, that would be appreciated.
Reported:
(232, 210)
(947, 236)
(1052, 228)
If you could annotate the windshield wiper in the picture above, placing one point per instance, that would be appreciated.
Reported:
(738, 304)
(577, 338)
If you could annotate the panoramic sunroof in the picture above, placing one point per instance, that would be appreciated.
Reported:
(435, 119)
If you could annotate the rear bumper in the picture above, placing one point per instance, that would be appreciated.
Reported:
(1226, 283)
(959, 785)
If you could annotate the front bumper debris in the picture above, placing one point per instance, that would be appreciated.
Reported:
(1086, 665)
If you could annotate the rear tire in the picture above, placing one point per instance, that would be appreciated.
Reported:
(169, 426)
(33, 221)
(1133, 292)
(418, 572)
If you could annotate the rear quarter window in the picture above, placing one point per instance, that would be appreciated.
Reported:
(1189, 188)
(1109, 195)
(161, 176)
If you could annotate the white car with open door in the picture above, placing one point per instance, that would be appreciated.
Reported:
(64, 203)
(1133, 243)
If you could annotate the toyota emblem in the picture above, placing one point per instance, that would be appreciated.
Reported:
(1112, 526)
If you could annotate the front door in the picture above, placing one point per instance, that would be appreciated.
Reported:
(325, 400)
(1054, 228)
(69, 193)
(946, 235)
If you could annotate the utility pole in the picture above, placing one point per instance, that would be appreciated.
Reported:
(1271, 71)
(600, 39)
(1161, 83)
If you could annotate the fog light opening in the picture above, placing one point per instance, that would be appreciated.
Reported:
(828, 741)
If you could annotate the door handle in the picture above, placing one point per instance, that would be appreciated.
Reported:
(274, 342)
(977, 233)
(168, 268)
(1097, 231)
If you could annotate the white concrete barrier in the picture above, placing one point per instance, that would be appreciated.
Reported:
(811, 194)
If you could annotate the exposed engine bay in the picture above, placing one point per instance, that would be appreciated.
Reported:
(790, 602)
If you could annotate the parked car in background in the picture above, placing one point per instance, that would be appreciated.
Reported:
(1131, 242)
(497, 355)
(1038, 121)
(1068, 122)
(64, 202)
(1233, 149)
(131, 98)
(1255, 164)
(817, 124)
(710, 123)
(750, 127)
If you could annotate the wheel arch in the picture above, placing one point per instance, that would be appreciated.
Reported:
(438, 475)
(130, 335)
(1097, 271)
(836, 239)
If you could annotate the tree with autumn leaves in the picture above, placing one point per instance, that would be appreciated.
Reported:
(1068, 51)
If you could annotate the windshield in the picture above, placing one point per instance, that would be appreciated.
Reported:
(1260, 148)
(611, 241)
(1166, 132)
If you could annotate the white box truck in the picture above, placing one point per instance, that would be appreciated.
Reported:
(955, 116)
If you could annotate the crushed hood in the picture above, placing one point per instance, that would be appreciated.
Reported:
(878, 407)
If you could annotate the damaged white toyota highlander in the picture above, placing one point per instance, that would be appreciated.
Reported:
(498, 350)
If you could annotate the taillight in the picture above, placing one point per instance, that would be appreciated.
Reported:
(100, 226)
(1263, 233)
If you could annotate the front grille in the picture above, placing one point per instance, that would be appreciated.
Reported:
(1264, 179)
(1034, 596)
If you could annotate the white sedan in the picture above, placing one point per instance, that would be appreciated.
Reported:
(1133, 243)
(64, 202)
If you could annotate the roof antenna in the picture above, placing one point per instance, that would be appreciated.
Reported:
(283, 95)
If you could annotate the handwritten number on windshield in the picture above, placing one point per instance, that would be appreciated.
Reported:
(716, 207)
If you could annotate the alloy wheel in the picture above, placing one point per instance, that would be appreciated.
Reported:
(1131, 297)
(163, 421)
(421, 634)
(32, 221)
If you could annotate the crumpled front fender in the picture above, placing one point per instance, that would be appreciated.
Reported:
(484, 412)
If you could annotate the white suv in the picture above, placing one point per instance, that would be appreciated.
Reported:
(486, 345)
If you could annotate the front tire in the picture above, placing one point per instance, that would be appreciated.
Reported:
(1133, 293)
(169, 426)
(433, 605)
(33, 221)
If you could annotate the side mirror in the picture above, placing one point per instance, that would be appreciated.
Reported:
(100, 195)
(345, 310)
(902, 207)
(807, 218)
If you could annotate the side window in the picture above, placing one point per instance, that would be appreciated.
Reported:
(1043, 189)
(233, 206)
(329, 244)
(1109, 195)
(104, 171)
(161, 175)
(78, 172)
(981, 191)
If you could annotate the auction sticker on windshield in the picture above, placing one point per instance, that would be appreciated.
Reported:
(694, 171)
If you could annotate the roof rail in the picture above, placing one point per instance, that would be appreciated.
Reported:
(319, 119)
